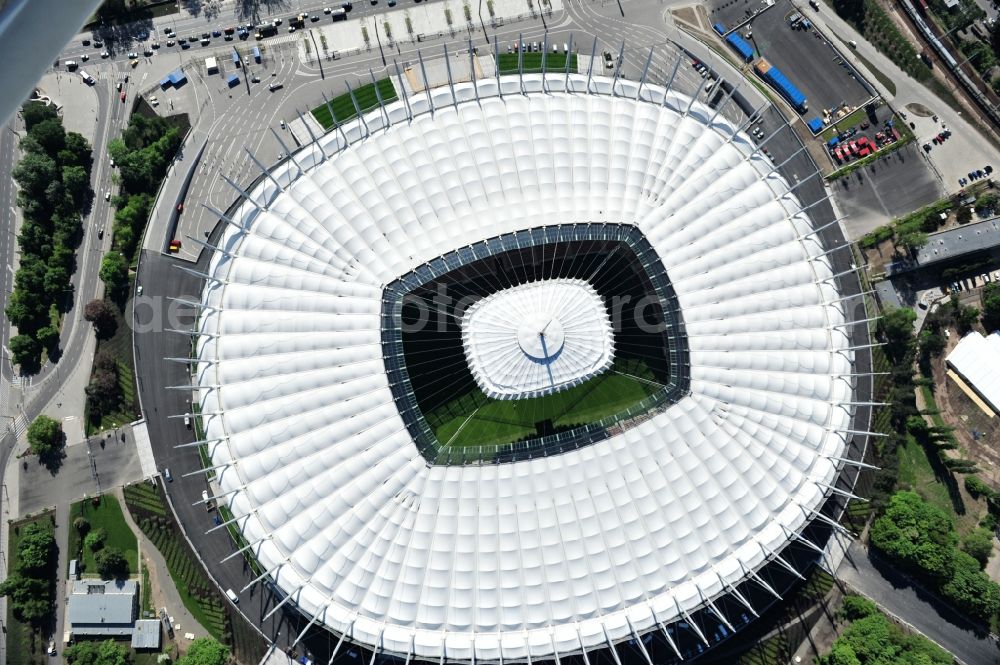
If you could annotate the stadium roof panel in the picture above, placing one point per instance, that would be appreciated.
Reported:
(560, 552)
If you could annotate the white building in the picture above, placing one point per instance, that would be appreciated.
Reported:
(977, 360)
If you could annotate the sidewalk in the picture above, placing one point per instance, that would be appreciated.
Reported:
(164, 590)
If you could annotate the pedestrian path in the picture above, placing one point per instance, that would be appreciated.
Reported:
(164, 590)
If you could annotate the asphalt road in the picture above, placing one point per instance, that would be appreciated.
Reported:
(880, 582)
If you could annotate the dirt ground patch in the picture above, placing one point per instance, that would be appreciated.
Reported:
(977, 434)
(879, 256)
(919, 109)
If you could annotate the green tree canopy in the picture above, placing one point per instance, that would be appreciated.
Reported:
(205, 651)
(114, 272)
(45, 435)
(916, 533)
(25, 351)
(50, 135)
(897, 327)
(991, 306)
(94, 541)
(35, 112)
(29, 597)
(111, 563)
(978, 544)
(34, 173)
(96, 653)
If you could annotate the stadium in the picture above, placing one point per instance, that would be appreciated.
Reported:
(528, 368)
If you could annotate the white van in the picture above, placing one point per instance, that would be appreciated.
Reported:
(232, 596)
(204, 498)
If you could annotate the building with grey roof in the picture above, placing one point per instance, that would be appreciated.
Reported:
(103, 607)
(956, 243)
(146, 634)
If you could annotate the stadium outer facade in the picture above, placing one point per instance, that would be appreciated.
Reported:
(658, 540)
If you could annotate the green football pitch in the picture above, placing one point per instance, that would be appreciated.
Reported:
(477, 420)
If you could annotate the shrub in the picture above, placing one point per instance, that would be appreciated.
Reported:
(95, 540)
(82, 525)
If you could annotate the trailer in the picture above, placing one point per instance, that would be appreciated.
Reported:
(338, 14)
(211, 66)
(780, 82)
(236, 59)
(256, 54)
(741, 46)
(232, 80)
(266, 30)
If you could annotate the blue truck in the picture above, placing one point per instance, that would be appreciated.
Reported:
(780, 82)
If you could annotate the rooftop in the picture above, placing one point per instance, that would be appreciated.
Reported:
(99, 607)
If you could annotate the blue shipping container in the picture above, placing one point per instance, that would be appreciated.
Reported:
(236, 58)
(786, 88)
(741, 46)
(833, 142)
(815, 125)
(232, 79)
(719, 29)
(256, 54)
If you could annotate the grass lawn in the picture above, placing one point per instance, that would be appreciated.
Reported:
(25, 645)
(120, 347)
(851, 120)
(108, 516)
(532, 62)
(343, 105)
(495, 421)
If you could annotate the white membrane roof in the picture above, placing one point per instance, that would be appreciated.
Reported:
(977, 359)
(537, 338)
(558, 553)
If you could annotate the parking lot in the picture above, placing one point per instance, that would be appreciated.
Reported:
(859, 134)
(807, 59)
(890, 187)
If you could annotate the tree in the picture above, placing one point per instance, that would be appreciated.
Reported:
(50, 134)
(34, 173)
(76, 181)
(45, 435)
(111, 563)
(35, 112)
(100, 313)
(104, 391)
(114, 272)
(36, 551)
(965, 318)
(912, 240)
(919, 535)
(971, 590)
(29, 597)
(897, 327)
(991, 306)
(963, 215)
(857, 607)
(48, 337)
(82, 525)
(977, 488)
(979, 545)
(96, 653)
(94, 541)
(24, 351)
(205, 651)
(77, 152)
